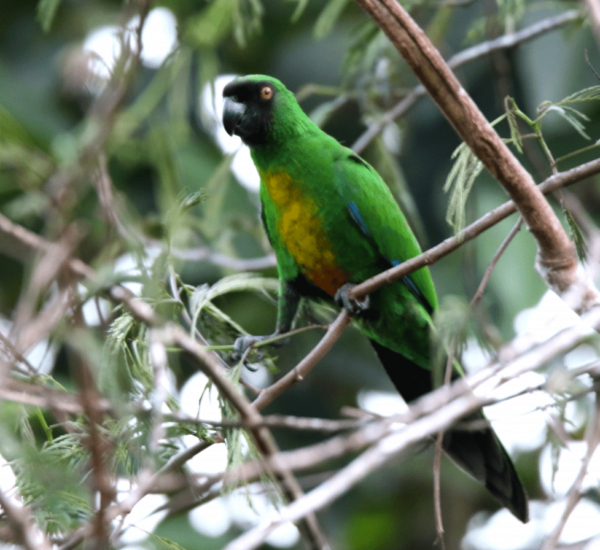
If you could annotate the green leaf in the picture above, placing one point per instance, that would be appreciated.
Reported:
(165, 543)
(27, 206)
(300, 7)
(216, 189)
(191, 200)
(11, 131)
(450, 330)
(460, 182)
(246, 20)
(240, 282)
(576, 235)
(211, 25)
(588, 94)
(511, 108)
(571, 116)
(46, 10)
(328, 17)
(44, 424)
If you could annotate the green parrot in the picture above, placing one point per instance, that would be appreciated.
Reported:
(334, 223)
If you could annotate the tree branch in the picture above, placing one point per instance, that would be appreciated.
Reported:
(556, 260)
(432, 413)
(145, 313)
(470, 54)
(574, 494)
(21, 522)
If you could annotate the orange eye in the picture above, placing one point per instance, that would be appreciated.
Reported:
(266, 93)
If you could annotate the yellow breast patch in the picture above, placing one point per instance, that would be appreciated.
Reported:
(301, 231)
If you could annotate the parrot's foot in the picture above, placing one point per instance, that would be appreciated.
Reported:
(241, 344)
(351, 305)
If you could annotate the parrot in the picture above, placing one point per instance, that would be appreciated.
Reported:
(333, 223)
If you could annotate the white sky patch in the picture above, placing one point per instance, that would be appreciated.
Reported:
(473, 356)
(211, 519)
(141, 520)
(242, 165)
(41, 357)
(206, 409)
(246, 516)
(8, 480)
(569, 464)
(93, 308)
(128, 264)
(381, 403)
(261, 377)
(547, 318)
(520, 422)
(105, 47)
(159, 36)
(159, 40)
(577, 413)
(284, 536)
(211, 461)
(580, 356)
(583, 523)
(502, 531)
(214, 459)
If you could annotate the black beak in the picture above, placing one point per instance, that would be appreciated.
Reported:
(233, 112)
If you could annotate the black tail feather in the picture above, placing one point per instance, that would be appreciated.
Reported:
(478, 452)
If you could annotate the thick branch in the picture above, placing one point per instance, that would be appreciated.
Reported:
(475, 52)
(432, 413)
(20, 519)
(556, 258)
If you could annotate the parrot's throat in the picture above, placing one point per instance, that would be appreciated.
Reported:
(300, 228)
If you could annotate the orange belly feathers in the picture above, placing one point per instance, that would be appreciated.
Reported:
(301, 231)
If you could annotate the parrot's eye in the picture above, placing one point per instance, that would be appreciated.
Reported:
(266, 93)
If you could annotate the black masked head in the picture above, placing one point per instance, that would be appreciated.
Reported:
(261, 110)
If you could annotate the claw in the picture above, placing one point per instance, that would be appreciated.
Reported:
(241, 344)
(351, 305)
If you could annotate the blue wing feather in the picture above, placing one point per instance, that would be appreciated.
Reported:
(406, 279)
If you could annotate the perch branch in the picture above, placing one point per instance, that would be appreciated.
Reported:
(470, 54)
(556, 260)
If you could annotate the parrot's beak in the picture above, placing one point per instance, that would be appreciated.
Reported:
(233, 112)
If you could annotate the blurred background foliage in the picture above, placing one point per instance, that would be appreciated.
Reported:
(182, 213)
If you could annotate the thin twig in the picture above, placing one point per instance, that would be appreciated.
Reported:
(298, 373)
(593, 8)
(556, 259)
(490, 268)
(574, 494)
(434, 412)
(222, 260)
(589, 64)
(437, 458)
(145, 313)
(490, 219)
(461, 58)
(142, 487)
(22, 525)
(22, 236)
(276, 421)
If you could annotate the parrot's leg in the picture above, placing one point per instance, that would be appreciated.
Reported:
(287, 306)
(352, 305)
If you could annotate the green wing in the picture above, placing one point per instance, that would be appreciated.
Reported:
(377, 214)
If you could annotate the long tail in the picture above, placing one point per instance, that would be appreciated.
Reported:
(479, 453)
